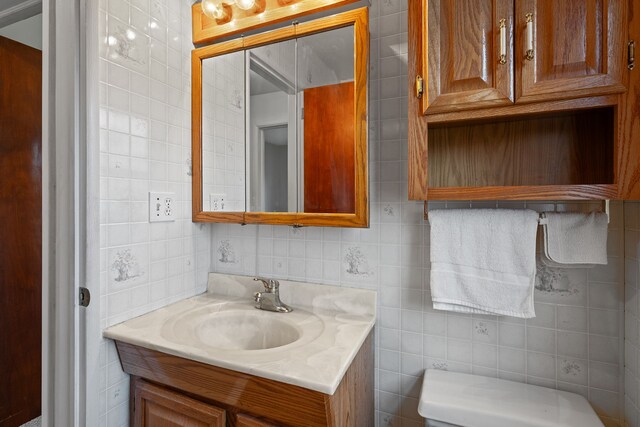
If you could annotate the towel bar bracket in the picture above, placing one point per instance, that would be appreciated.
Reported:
(541, 219)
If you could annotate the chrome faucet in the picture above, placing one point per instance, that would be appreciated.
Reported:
(270, 298)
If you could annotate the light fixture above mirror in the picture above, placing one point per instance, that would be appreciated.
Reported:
(222, 10)
(245, 4)
(213, 19)
(216, 9)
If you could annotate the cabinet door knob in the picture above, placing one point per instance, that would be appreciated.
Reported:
(528, 40)
(631, 60)
(502, 59)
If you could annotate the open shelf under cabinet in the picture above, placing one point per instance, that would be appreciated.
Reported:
(566, 155)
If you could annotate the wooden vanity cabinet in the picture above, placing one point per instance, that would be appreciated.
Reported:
(523, 100)
(168, 390)
(243, 420)
(155, 406)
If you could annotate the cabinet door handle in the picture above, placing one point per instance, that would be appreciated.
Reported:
(503, 42)
(419, 86)
(528, 40)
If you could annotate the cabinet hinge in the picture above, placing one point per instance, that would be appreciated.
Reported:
(419, 86)
(631, 54)
(84, 297)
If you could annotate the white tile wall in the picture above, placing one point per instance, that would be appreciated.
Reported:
(573, 344)
(632, 314)
(145, 140)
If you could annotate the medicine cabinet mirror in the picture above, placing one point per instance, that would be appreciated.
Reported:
(280, 126)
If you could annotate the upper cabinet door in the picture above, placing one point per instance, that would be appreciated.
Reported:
(569, 48)
(469, 54)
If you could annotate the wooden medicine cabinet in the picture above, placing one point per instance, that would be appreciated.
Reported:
(280, 125)
(523, 99)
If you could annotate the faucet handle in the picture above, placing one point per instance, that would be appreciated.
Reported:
(269, 284)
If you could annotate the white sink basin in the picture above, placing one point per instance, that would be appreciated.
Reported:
(245, 331)
(231, 327)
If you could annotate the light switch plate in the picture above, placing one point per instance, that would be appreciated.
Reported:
(217, 201)
(162, 207)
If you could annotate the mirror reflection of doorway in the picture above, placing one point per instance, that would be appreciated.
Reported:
(271, 155)
(275, 165)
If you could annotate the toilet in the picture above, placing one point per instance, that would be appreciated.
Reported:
(456, 399)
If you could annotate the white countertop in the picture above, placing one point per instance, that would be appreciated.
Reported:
(332, 321)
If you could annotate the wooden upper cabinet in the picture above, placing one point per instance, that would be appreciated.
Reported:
(572, 131)
(463, 51)
(577, 48)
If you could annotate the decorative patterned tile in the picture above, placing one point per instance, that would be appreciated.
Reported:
(127, 46)
(573, 371)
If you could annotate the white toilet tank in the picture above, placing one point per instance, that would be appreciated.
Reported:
(454, 399)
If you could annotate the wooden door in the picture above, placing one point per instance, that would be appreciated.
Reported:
(463, 53)
(20, 231)
(329, 149)
(577, 48)
(160, 407)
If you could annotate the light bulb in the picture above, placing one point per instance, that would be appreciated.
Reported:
(245, 4)
(213, 9)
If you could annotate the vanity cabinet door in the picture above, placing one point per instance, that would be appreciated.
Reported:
(243, 420)
(464, 44)
(159, 407)
(569, 49)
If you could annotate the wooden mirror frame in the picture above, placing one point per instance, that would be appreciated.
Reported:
(357, 18)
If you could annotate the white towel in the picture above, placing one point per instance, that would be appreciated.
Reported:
(483, 261)
(574, 239)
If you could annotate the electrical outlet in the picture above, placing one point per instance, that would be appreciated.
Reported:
(217, 201)
(162, 207)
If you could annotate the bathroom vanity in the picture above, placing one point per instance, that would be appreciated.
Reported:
(179, 391)
(216, 360)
